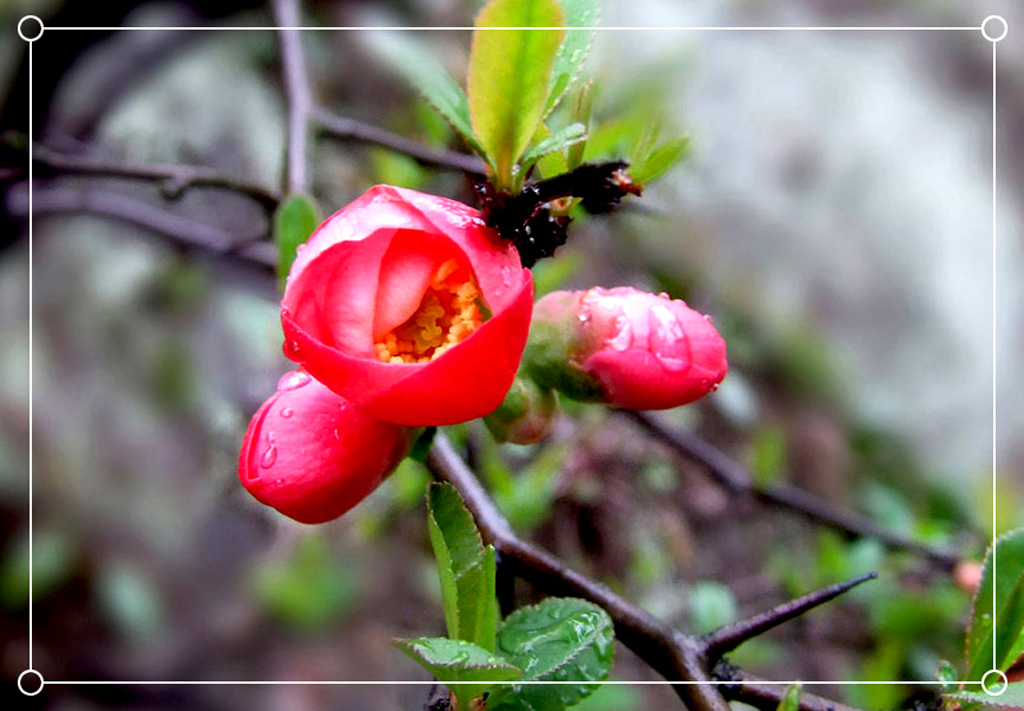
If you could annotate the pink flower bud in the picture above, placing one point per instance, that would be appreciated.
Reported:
(311, 455)
(624, 347)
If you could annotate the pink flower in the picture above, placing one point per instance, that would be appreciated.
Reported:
(409, 307)
(624, 347)
(312, 455)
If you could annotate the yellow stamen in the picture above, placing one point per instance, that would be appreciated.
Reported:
(447, 315)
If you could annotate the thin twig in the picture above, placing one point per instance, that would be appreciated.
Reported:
(767, 697)
(728, 637)
(299, 95)
(181, 231)
(176, 177)
(732, 476)
(346, 129)
(673, 655)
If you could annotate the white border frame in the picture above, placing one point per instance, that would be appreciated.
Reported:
(31, 671)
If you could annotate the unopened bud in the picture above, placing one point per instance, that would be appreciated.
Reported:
(624, 347)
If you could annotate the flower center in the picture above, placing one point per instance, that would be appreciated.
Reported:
(448, 314)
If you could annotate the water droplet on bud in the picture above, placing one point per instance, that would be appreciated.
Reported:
(269, 456)
(668, 340)
(293, 381)
(287, 412)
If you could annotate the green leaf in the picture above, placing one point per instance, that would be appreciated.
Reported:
(294, 221)
(415, 62)
(561, 639)
(458, 660)
(1009, 608)
(660, 160)
(1012, 698)
(574, 50)
(509, 71)
(791, 701)
(581, 112)
(573, 133)
(466, 568)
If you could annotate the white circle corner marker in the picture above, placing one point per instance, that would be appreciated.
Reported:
(993, 28)
(31, 33)
(29, 687)
(997, 686)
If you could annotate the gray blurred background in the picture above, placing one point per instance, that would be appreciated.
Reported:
(834, 214)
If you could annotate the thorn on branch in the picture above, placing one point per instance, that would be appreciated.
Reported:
(727, 638)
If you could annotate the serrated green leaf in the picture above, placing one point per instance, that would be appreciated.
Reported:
(465, 566)
(1012, 698)
(574, 50)
(294, 221)
(573, 133)
(1009, 608)
(458, 660)
(414, 62)
(509, 75)
(561, 639)
(791, 701)
(660, 160)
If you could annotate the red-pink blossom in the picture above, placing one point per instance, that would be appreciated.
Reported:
(410, 307)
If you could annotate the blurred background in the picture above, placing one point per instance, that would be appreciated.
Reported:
(834, 214)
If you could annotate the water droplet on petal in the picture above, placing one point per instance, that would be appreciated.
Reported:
(300, 249)
(714, 388)
(292, 381)
(669, 343)
(623, 337)
(292, 350)
(287, 412)
(269, 456)
(664, 295)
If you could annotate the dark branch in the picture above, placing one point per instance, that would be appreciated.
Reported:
(181, 231)
(767, 697)
(727, 638)
(346, 129)
(175, 177)
(733, 476)
(300, 97)
(673, 655)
